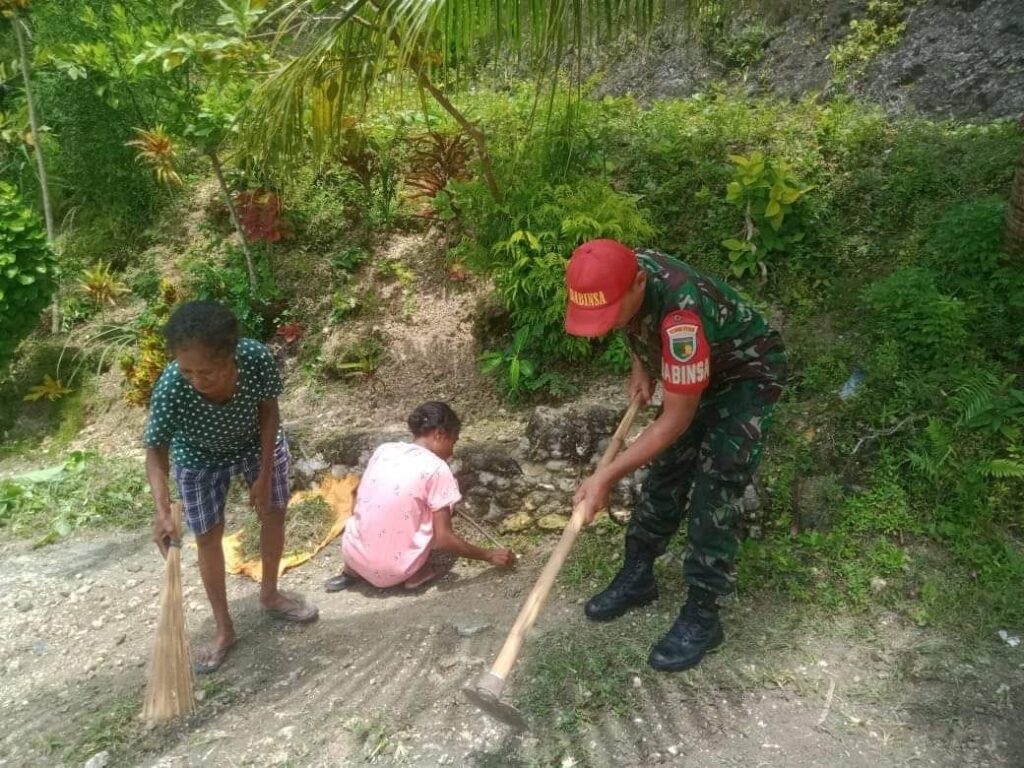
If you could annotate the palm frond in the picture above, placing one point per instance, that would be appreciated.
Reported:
(360, 45)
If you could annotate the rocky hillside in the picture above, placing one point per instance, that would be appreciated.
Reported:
(939, 58)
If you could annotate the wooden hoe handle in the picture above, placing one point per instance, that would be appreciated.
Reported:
(535, 600)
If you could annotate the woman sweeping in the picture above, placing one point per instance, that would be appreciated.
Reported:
(403, 512)
(213, 415)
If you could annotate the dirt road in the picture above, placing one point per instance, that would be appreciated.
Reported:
(378, 678)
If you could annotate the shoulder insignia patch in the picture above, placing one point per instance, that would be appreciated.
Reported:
(682, 340)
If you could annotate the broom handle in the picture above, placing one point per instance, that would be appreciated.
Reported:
(480, 529)
(535, 600)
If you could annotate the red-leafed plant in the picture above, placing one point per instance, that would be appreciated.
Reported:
(435, 160)
(290, 332)
(259, 213)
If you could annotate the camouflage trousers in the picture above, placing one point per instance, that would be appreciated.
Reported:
(705, 473)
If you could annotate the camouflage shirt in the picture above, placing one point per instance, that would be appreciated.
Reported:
(697, 333)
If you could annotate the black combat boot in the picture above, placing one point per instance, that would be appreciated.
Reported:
(695, 632)
(632, 586)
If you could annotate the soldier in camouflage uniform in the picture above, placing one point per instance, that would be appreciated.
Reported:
(721, 368)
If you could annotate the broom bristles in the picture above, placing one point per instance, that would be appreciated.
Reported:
(170, 691)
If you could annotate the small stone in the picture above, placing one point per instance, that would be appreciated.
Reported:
(448, 662)
(470, 628)
(133, 567)
(98, 623)
(14, 666)
(120, 639)
(309, 467)
(637, 682)
(878, 584)
(24, 606)
(520, 521)
(567, 485)
(555, 465)
(552, 522)
(99, 760)
(287, 732)
(200, 695)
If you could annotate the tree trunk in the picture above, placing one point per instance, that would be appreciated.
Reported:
(215, 160)
(1015, 214)
(44, 186)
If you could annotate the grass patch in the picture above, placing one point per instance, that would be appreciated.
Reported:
(113, 728)
(306, 525)
(378, 741)
(84, 490)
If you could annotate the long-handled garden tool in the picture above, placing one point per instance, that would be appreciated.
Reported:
(487, 692)
(170, 691)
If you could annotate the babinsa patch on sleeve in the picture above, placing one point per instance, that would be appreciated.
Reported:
(685, 354)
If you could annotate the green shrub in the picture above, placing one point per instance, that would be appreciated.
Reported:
(768, 196)
(966, 247)
(928, 325)
(27, 270)
(880, 28)
(228, 283)
(528, 262)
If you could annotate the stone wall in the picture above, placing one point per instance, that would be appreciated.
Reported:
(515, 484)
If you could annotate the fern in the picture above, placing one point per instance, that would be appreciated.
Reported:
(991, 404)
(937, 452)
(1004, 469)
(976, 396)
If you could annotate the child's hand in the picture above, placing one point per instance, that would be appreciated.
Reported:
(502, 557)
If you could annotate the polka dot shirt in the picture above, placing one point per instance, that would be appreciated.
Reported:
(204, 435)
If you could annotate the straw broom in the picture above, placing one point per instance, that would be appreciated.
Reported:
(170, 691)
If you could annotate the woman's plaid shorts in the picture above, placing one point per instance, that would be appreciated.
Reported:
(204, 492)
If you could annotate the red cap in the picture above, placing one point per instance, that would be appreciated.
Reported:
(597, 278)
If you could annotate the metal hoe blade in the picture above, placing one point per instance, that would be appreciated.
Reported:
(490, 704)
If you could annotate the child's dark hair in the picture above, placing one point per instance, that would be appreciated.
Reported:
(203, 323)
(434, 415)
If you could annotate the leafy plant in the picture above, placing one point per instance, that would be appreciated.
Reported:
(343, 304)
(436, 160)
(143, 366)
(50, 388)
(157, 150)
(361, 358)
(27, 272)
(515, 372)
(736, 46)
(101, 286)
(880, 28)
(767, 194)
(259, 213)
(349, 259)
